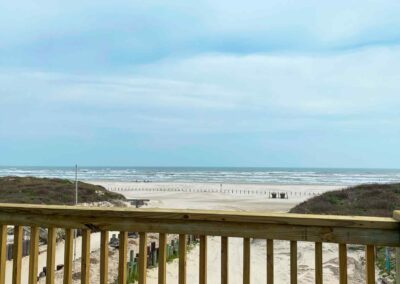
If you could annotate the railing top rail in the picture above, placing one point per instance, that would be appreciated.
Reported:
(327, 228)
(204, 215)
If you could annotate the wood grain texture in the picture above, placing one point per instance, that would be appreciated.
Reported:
(33, 255)
(3, 258)
(203, 260)
(123, 251)
(142, 258)
(103, 213)
(270, 261)
(342, 264)
(104, 257)
(85, 260)
(296, 227)
(17, 254)
(182, 259)
(51, 255)
(224, 260)
(68, 255)
(293, 262)
(246, 261)
(318, 263)
(162, 259)
(370, 264)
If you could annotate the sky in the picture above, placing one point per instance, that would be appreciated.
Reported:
(200, 83)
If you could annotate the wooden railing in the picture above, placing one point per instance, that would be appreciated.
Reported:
(368, 231)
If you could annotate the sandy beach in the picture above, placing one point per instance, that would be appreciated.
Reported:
(243, 197)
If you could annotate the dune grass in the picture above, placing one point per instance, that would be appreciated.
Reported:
(52, 191)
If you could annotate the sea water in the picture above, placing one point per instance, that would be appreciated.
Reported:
(303, 176)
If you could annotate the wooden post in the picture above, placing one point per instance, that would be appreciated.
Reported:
(318, 263)
(293, 262)
(162, 259)
(51, 255)
(104, 257)
(397, 265)
(85, 261)
(68, 252)
(3, 255)
(142, 258)
(370, 259)
(224, 260)
(342, 264)
(203, 260)
(270, 261)
(182, 259)
(246, 261)
(17, 254)
(33, 255)
(123, 250)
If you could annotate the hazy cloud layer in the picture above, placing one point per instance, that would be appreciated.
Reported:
(213, 83)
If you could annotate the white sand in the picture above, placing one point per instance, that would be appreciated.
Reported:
(214, 196)
(243, 197)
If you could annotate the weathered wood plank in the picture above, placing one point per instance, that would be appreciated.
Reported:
(33, 255)
(3, 258)
(370, 264)
(318, 263)
(104, 257)
(162, 259)
(100, 213)
(203, 260)
(51, 255)
(143, 258)
(17, 254)
(342, 264)
(85, 260)
(123, 251)
(355, 230)
(246, 261)
(68, 254)
(182, 259)
(270, 261)
(224, 260)
(293, 262)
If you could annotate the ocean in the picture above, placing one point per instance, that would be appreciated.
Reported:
(300, 176)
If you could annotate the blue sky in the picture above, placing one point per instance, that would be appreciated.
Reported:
(205, 83)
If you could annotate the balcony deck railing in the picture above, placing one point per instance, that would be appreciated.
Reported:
(343, 230)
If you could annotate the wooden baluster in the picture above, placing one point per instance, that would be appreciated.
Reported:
(68, 251)
(293, 262)
(33, 255)
(203, 260)
(397, 256)
(224, 260)
(51, 255)
(17, 254)
(3, 256)
(318, 263)
(85, 260)
(104, 257)
(142, 258)
(270, 261)
(342, 264)
(182, 259)
(370, 259)
(123, 251)
(162, 259)
(246, 261)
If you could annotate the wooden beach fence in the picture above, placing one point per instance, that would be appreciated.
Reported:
(265, 192)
